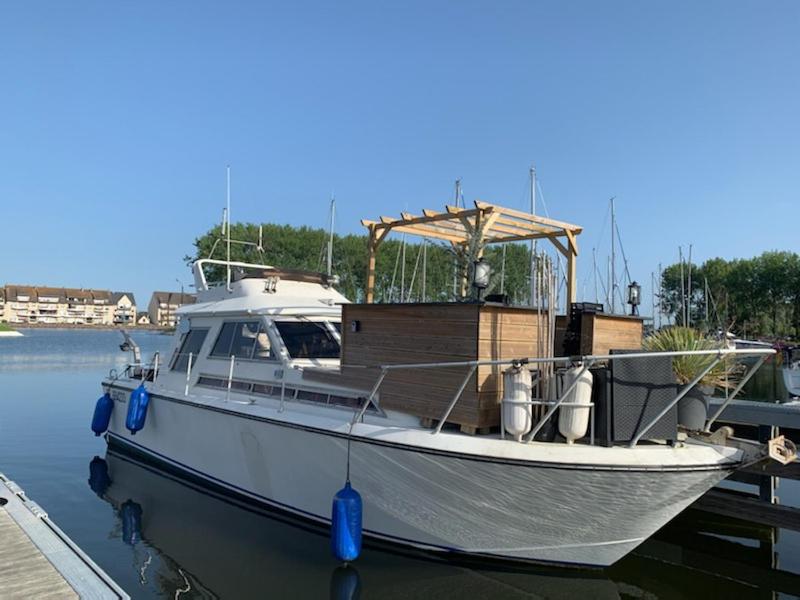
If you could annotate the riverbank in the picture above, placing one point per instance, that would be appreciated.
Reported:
(6, 331)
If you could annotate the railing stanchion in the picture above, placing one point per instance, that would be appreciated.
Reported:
(558, 403)
(188, 374)
(155, 367)
(230, 378)
(738, 389)
(455, 399)
(283, 395)
(368, 401)
(675, 401)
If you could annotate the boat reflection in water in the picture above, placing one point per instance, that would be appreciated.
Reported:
(188, 538)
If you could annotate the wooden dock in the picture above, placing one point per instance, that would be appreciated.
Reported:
(38, 560)
(767, 419)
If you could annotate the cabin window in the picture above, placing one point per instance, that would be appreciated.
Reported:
(308, 339)
(191, 345)
(243, 339)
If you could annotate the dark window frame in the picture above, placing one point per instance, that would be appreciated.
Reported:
(289, 342)
(180, 361)
(262, 328)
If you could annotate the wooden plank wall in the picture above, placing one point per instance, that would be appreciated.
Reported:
(424, 333)
(417, 333)
(504, 333)
(605, 332)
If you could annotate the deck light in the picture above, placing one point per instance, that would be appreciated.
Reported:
(634, 297)
(481, 272)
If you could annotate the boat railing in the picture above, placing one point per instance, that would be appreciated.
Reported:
(137, 370)
(585, 363)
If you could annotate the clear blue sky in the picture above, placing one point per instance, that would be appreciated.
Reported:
(117, 121)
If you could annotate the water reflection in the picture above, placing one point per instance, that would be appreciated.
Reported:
(190, 538)
(233, 550)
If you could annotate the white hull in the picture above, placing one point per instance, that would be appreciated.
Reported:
(434, 497)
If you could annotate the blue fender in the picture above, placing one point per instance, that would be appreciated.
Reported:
(102, 414)
(137, 409)
(346, 524)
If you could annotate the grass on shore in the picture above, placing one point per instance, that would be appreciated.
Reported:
(6, 327)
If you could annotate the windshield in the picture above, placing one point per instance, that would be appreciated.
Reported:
(308, 339)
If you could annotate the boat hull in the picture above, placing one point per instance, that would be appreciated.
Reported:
(440, 501)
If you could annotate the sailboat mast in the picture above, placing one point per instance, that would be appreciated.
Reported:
(613, 256)
(533, 242)
(455, 259)
(228, 236)
(683, 289)
(330, 235)
(689, 291)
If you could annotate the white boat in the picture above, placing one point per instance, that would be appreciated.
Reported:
(791, 370)
(273, 393)
(232, 406)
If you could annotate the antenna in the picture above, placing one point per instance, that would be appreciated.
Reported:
(330, 236)
(228, 228)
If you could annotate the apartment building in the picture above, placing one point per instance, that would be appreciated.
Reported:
(163, 305)
(24, 304)
(124, 308)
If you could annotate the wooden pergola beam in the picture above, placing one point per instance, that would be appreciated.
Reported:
(497, 225)
(531, 218)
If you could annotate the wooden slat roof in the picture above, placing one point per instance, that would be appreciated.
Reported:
(498, 223)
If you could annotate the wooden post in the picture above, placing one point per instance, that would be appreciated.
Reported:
(373, 249)
(572, 280)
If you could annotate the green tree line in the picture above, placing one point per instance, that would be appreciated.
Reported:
(759, 296)
(399, 269)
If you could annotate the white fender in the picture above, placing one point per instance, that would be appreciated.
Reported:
(573, 421)
(517, 388)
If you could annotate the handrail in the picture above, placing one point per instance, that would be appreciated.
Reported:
(587, 361)
(738, 389)
(675, 400)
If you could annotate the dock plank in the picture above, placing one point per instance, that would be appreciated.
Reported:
(750, 412)
(743, 506)
(24, 571)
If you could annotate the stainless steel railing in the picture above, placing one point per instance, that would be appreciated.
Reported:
(586, 362)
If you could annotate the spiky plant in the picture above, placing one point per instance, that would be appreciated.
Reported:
(686, 368)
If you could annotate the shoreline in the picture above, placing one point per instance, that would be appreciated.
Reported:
(159, 328)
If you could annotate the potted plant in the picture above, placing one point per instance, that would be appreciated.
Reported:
(693, 407)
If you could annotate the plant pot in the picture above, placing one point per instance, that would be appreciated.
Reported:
(693, 409)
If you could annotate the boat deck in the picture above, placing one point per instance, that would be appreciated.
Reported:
(38, 560)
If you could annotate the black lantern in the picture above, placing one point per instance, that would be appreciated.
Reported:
(634, 297)
(481, 272)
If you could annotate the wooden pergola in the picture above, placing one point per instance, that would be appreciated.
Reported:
(494, 224)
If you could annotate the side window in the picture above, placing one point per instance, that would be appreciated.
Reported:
(222, 347)
(243, 339)
(191, 345)
(308, 339)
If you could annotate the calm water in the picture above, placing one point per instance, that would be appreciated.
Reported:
(158, 535)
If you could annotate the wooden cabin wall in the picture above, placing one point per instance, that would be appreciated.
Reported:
(607, 332)
(423, 333)
(417, 333)
(504, 333)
